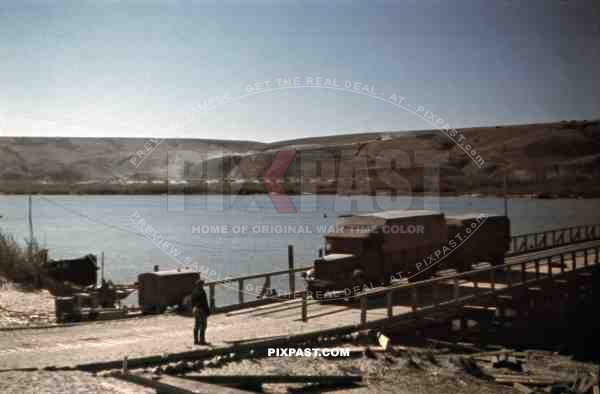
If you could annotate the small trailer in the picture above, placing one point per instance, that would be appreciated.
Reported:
(161, 289)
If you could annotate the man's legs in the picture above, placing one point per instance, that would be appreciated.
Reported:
(203, 322)
(197, 326)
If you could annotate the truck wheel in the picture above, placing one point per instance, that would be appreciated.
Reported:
(498, 260)
(358, 279)
(465, 266)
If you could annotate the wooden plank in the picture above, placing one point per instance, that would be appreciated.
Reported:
(522, 388)
(454, 345)
(172, 385)
(260, 275)
(528, 379)
(200, 387)
(268, 379)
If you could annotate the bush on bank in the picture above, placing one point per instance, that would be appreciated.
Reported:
(19, 264)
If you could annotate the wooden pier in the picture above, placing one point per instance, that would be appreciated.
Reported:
(563, 274)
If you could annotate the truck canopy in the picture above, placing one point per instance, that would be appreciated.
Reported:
(362, 225)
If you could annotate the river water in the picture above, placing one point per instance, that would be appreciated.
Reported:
(72, 226)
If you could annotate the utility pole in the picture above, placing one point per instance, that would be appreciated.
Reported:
(504, 181)
(102, 268)
(505, 197)
(29, 217)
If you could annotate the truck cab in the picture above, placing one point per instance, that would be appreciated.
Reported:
(367, 250)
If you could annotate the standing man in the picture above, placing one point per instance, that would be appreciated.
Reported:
(201, 311)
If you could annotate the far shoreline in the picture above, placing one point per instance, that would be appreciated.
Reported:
(478, 195)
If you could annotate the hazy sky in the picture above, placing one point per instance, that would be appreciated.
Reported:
(112, 68)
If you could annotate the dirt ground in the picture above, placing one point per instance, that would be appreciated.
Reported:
(385, 374)
(415, 370)
(412, 370)
(19, 308)
(34, 382)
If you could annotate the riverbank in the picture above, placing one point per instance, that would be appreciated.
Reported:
(20, 307)
(548, 191)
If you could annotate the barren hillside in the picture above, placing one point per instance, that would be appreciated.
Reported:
(553, 158)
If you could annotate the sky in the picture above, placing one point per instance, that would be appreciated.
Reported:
(131, 68)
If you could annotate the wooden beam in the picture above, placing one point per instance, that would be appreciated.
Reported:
(240, 291)
(389, 304)
(292, 276)
(268, 379)
(304, 308)
(363, 310)
(522, 388)
(172, 385)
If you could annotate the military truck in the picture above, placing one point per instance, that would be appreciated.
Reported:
(160, 289)
(374, 249)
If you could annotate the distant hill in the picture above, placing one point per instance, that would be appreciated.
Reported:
(552, 158)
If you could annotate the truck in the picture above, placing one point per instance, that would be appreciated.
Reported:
(374, 249)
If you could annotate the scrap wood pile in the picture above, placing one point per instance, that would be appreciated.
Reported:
(533, 371)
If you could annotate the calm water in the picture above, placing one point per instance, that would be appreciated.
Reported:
(71, 226)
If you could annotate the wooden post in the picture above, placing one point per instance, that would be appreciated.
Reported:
(523, 272)
(505, 196)
(549, 261)
(414, 296)
(240, 291)
(30, 220)
(562, 263)
(537, 269)
(493, 279)
(304, 308)
(574, 261)
(388, 301)
(102, 267)
(585, 258)
(124, 369)
(211, 295)
(292, 275)
(456, 290)
(363, 310)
